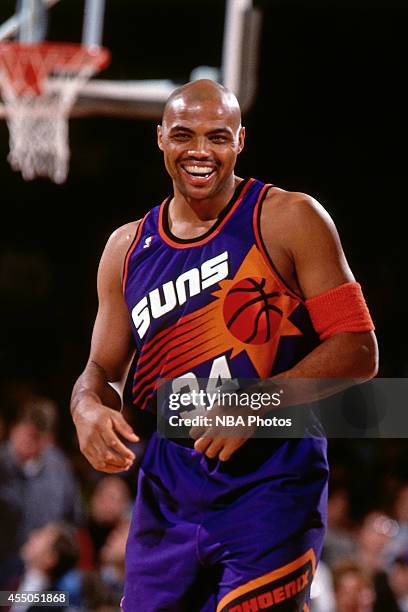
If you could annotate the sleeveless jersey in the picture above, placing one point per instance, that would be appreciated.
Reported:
(177, 292)
(215, 308)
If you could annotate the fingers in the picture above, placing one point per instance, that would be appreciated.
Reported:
(110, 468)
(196, 432)
(104, 459)
(230, 448)
(218, 446)
(102, 446)
(117, 449)
(214, 447)
(202, 444)
(124, 428)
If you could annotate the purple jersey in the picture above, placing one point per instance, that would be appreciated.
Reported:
(215, 307)
(180, 294)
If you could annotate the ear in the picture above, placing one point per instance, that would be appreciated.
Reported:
(241, 139)
(160, 137)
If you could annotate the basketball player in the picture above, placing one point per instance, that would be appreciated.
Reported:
(229, 524)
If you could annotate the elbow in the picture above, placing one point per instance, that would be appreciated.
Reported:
(370, 361)
(371, 370)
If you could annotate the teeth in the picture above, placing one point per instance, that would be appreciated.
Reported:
(201, 170)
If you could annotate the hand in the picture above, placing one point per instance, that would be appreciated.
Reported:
(99, 429)
(222, 440)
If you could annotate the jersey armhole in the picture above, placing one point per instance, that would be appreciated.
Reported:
(261, 244)
(130, 250)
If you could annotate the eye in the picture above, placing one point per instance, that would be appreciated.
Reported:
(180, 136)
(219, 139)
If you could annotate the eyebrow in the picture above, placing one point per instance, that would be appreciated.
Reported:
(220, 131)
(182, 128)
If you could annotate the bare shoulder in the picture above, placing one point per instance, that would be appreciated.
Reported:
(121, 239)
(291, 216)
(114, 254)
(302, 241)
(290, 206)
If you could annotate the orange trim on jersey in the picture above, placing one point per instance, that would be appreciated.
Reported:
(154, 361)
(190, 357)
(186, 327)
(175, 367)
(186, 324)
(194, 243)
(261, 246)
(305, 607)
(188, 360)
(175, 359)
(132, 247)
(270, 577)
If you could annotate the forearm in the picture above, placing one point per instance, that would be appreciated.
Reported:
(93, 384)
(339, 362)
(102, 431)
(346, 355)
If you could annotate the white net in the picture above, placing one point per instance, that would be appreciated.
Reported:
(38, 105)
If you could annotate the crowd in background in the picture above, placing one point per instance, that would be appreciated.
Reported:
(64, 526)
(59, 531)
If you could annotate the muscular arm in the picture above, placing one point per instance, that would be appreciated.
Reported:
(303, 242)
(95, 404)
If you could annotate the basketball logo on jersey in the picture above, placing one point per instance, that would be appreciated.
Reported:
(251, 313)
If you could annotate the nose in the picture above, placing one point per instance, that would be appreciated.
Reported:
(199, 148)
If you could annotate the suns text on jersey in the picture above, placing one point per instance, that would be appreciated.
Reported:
(168, 296)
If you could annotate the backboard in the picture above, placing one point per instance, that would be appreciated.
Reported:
(216, 39)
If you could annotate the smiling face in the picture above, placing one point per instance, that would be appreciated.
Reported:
(201, 137)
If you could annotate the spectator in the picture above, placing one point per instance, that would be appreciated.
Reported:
(110, 505)
(374, 536)
(339, 543)
(36, 482)
(48, 555)
(399, 543)
(398, 581)
(112, 557)
(376, 533)
(103, 589)
(353, 588)
(322, 594)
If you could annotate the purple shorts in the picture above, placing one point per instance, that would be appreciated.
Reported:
(239, 536)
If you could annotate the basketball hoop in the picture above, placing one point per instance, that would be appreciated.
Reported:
(39, 83)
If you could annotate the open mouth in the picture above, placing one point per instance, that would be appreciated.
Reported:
(199, 172)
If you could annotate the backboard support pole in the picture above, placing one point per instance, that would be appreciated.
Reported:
(10, 28)
(92, 33)
(236, 14)
(30, 13)
(141, 98)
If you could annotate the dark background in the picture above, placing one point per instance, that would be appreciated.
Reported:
(327, 120)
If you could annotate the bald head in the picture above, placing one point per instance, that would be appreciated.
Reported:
(201, 136)
(204, 92)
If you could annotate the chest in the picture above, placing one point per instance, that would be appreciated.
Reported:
(165, 284)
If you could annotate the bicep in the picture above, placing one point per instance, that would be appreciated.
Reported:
(315, 247)
(112, 347)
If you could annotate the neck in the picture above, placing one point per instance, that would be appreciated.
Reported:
(206, 209)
